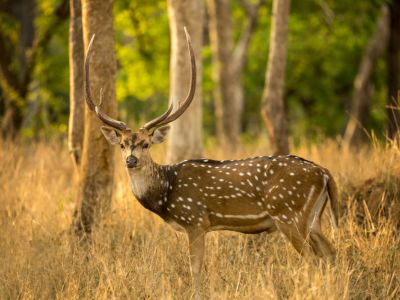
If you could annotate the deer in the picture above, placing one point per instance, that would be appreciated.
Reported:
(283, 193)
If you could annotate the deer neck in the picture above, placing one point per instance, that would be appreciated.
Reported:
(150, 185)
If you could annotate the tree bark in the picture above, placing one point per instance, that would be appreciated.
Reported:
(363, 83)
(272, 108)
(97, 167)
(12, 118)
(393, 69)
(228, 65)
(76, 101)
(186, 133)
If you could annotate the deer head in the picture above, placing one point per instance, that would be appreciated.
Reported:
(135, 145)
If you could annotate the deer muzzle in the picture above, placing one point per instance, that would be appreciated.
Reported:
(131, 162)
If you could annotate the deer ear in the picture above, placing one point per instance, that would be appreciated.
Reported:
(159, 135)
(111, 135)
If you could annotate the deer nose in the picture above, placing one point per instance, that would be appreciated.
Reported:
(131, 161)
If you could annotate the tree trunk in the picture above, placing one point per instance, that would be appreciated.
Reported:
(272, 108)
(76, 104)
(393, 67)
(228, 107)
(228, 65)
(14, 89)
(97, 164)
(186, 132)
(363, 84)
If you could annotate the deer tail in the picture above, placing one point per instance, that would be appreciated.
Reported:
(333, 196)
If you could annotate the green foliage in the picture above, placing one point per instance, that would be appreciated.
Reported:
(323, 59)
(143, 56)
(51, 82)
(324, 52)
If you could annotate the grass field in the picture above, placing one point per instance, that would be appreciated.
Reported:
(134, 255)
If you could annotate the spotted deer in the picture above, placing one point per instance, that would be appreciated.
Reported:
(260, 194)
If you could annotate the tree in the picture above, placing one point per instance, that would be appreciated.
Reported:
(186, 133)
(19, 57)
(393, 69)
(363, 83)
(228, 64)
(272, 109)
(76, 115)
(97, 167)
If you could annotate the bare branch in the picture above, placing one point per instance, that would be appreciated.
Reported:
(245, 36)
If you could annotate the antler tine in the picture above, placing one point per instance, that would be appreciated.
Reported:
(161, 118)
(189, 98)
(106, 119)
(88, 97)
(94, 107)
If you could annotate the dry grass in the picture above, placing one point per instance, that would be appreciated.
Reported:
(135, 255)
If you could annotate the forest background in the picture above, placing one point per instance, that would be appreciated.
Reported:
(326, 42)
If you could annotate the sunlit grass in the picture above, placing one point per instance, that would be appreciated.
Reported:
(134, 255)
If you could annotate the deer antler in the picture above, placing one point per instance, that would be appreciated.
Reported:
(94, 107)
(166, 117)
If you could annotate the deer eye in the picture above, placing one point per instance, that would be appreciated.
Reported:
(122, 146)
(145, 146)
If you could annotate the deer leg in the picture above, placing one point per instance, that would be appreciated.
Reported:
(196, 250)
(320, 245)
(295, 237)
